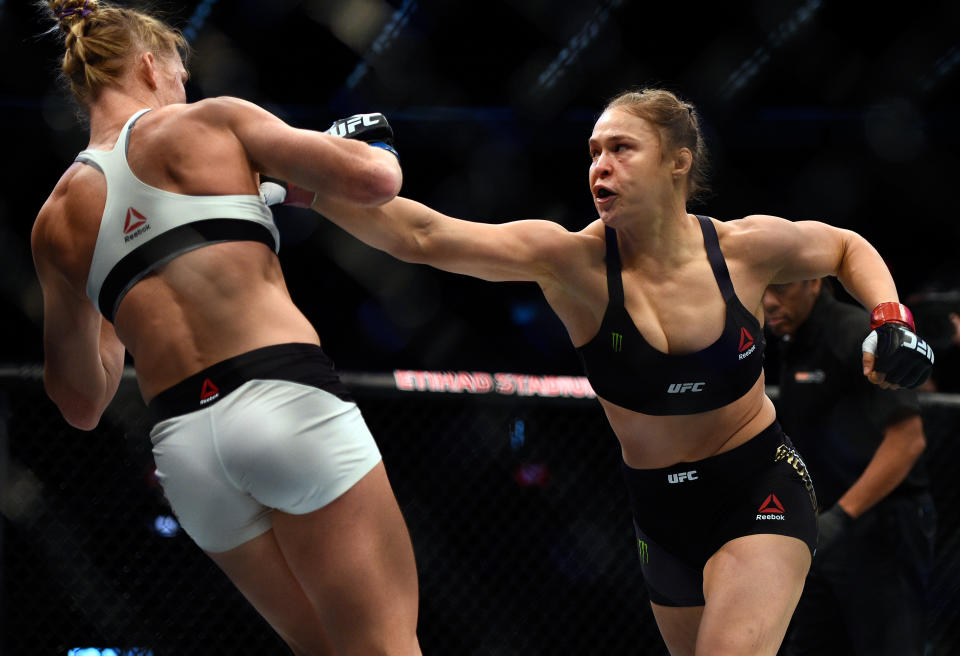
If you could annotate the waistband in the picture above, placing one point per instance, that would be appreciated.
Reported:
(756, 453)
(298, 363)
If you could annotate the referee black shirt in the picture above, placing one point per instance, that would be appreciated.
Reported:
(835, 417)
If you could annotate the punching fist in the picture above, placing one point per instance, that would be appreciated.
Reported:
(372, 128)
(893, 355)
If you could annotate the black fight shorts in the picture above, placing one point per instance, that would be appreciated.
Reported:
(684, 513)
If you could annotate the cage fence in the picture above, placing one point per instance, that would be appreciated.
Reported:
(510, 487)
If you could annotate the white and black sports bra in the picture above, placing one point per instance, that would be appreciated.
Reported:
(144, 227)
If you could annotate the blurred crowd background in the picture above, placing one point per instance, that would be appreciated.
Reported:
(813, 109)
(831, 110)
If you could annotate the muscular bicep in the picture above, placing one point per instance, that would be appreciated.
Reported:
(779, 251)
(528, 250)
(798, 250)
(787, 251)
(341, 168)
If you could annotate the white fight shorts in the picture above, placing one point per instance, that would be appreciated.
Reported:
(259, 444)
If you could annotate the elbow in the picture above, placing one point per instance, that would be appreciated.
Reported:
(81, 416)
(919, 445)
(404, 249)
(381, 184)
(78, 411)
(916, 440)
(414, 248)
(83, 422)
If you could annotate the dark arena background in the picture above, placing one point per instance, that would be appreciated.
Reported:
(502, 462)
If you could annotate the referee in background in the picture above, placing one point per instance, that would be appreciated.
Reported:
(866, 591)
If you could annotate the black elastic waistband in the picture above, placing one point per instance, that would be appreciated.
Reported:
(298, 363)
(756, 453)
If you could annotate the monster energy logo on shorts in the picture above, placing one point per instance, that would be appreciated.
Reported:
(616, 341)
(644, 554)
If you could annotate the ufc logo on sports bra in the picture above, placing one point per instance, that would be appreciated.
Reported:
(680, 388)
(682, 476)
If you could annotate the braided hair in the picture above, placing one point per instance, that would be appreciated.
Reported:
(100, 40)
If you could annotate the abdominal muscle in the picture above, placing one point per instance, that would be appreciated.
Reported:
(206, 306)
(652, 442)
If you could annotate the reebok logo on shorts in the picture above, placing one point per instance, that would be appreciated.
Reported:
(208, 392)
(771, 508)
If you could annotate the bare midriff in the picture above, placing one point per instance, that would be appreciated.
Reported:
(651, 441)
(204, 307)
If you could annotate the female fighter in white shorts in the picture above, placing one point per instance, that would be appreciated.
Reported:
(156, 241)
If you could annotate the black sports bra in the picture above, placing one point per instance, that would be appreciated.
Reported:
(624, 369)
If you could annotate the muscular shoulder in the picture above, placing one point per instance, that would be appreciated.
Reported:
(570, 250)
(201, 119)
(786, 250)
(573, 261)
(192, 149)
(751, 234)
(233, 114)
(222, 109)
(65, 229)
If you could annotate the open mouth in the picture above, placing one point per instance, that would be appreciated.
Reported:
(604, 193)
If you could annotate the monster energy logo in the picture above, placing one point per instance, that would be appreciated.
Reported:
(644, 554)
(617, 341)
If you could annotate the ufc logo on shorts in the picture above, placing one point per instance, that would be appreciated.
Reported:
(343, 128)
(682, 476)
(920, 346)
(680, 388)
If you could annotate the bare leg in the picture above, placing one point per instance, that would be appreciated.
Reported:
(678, 626)
(752, 586)
(354, 561)
(261, 573)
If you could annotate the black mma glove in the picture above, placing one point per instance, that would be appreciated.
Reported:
(279, 192)
(906, 359)
(830, 526)
(372, 128)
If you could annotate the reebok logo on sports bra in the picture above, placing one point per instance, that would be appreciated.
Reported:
(134, 225)
(747, 347)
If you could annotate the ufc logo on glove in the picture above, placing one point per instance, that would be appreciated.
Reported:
(346, 126)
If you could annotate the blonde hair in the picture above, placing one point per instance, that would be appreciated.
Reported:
(678, 122)
(99, 40)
